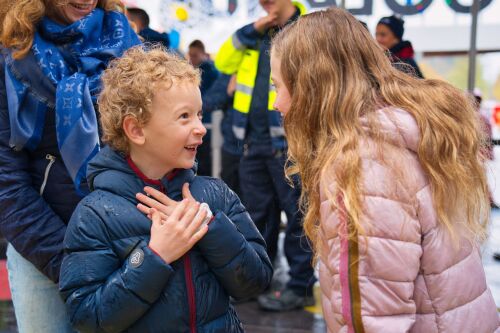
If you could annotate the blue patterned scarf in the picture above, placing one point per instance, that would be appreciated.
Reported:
(73, 58)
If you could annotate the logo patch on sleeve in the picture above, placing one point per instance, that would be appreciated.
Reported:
(136, 258)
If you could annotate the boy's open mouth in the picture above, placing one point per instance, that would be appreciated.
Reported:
(191, 148)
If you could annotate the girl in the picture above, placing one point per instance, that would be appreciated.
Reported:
(395, 194)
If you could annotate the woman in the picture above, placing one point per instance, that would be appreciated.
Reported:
(389, 35)
(394, 188)
(53, 53)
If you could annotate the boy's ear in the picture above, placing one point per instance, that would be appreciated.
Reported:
(133, 130)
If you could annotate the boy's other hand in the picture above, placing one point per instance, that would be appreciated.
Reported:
(266, 22)
(160, 201)
(231, 86)
(173, 237)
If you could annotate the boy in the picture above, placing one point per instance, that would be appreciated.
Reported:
(175, 275)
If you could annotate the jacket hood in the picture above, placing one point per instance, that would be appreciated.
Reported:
(397, 127)
(110, 171)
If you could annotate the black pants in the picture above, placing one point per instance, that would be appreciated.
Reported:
(263, 184)
(230, 171)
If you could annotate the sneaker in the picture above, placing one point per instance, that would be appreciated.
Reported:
(242, 300)
(284, 300)
(496, 256)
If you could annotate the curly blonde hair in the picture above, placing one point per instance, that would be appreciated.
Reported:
(19, 18)
(336, 74)
(129, 85)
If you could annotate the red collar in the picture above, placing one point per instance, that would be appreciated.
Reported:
(147, 180)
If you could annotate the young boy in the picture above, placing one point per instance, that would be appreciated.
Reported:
(123, 272)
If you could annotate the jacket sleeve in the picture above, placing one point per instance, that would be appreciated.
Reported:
(209, 75)
(235, 250)
(102, 292)
(26, 220)
(454, 295)
(216, 97)
(231, 53)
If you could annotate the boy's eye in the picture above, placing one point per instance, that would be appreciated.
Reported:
(185, 115)
(200, 114)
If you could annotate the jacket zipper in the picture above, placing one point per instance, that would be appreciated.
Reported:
(51, 159)
(188, 274)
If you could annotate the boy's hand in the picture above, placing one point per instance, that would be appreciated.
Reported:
(173, 237)
(160, 201)
(231, 86)
(266, 22)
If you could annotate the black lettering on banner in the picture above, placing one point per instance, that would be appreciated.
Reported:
(408, 9)
(459, 8)
(231, 6)
(322, 3)
(367, 8)
(396, 6)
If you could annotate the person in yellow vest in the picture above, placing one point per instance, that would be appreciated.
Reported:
(259, 131)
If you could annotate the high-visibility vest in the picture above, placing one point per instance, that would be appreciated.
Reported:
(234, 57)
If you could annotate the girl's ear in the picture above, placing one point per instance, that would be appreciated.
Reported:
(133, 130)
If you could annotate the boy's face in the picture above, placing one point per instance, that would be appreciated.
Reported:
(196, 56)
(174, 131)
(385, 37)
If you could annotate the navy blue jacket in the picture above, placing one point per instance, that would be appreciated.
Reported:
(209, 75)
(106, 290)
(154, 36)
(37, 195)
(259, 121)
(216, 98)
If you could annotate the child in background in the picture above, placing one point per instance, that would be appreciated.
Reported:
(393, 185)
(123, 273)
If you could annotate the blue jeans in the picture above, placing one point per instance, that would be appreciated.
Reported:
(37, 302)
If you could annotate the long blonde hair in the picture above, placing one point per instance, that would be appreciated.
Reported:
(19, 18)
(336, 74)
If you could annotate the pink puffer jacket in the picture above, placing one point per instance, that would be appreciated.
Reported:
(411, 278)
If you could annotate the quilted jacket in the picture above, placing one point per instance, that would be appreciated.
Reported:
(112, 281)
(404, 274)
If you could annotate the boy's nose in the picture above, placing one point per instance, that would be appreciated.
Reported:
(200, 129)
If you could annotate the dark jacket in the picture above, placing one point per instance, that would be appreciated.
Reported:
(153, 36)
(34, 224)
(216, 98)
(107, 291)
(246, 54)
(403, 53)
(209, 75)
